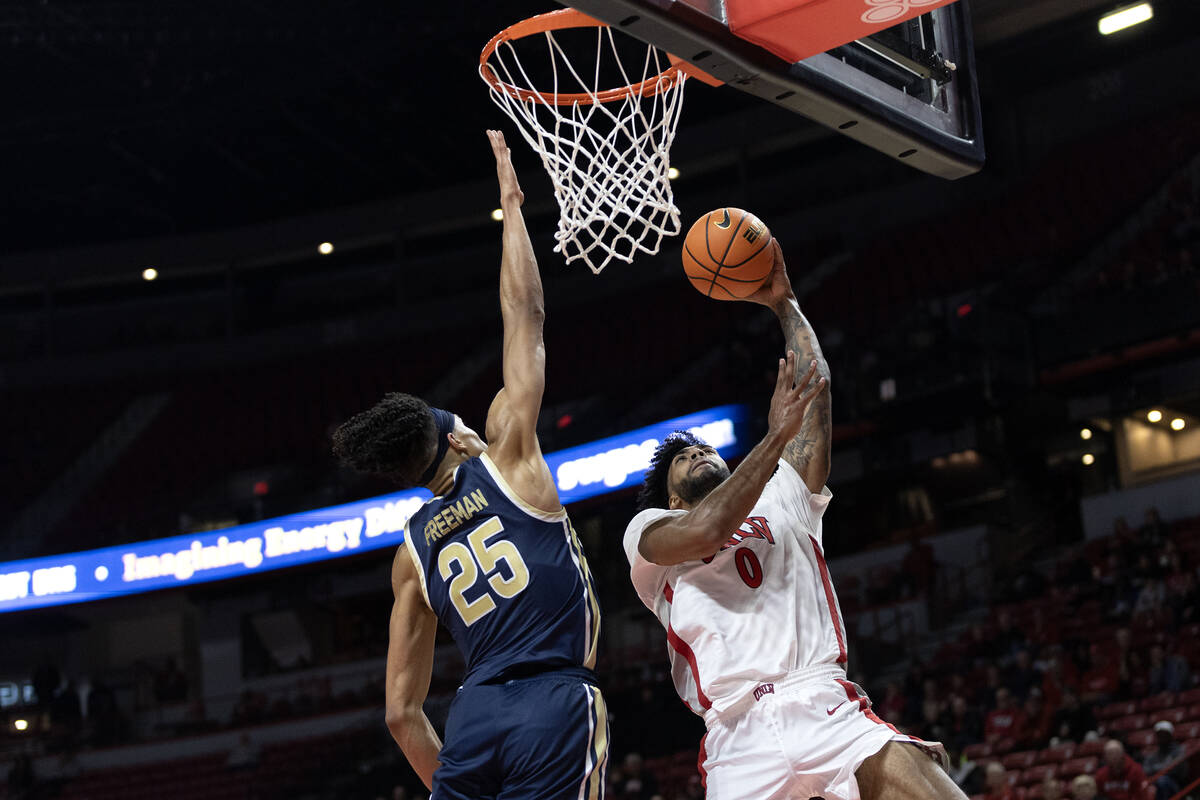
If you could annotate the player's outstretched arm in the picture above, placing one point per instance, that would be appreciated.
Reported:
(512, 420)
(809, 452)
(411, 635)
(708, 525)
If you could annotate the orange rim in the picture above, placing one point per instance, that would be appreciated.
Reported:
(557, 21)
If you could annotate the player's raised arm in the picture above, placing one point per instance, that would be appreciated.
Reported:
(411, 635)
(707, 525)
(809, 451)
(512, 419)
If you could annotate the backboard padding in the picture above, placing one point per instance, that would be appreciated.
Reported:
(940, 134)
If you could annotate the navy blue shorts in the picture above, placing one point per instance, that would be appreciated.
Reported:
(543, 737)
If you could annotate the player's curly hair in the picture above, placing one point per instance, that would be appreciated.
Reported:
(654, 493)
(395, 439)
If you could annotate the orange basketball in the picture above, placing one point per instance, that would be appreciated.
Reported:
(727, 254)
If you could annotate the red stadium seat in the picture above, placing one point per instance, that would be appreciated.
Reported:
(1057, 754)
(1093, 747)
(1132, 722)
(1140, 739)
(1122, 709)
(1194, 711)
(1038, 774)
(1158, 701)
(1189, 697)
(1002, 746)
(1188, 730)
(1078, 766)
(1020, 760)
(978, 751)
(1173, 715)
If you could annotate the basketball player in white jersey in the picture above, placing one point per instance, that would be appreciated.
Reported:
(732, 566)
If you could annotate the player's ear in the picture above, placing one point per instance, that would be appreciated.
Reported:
(674, 502)
(457, 444)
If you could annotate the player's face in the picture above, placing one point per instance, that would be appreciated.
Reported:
(695, 471)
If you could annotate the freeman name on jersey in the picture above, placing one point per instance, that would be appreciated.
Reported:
(455, 515)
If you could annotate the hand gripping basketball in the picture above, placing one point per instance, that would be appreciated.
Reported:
(777, 288)
(789, 402)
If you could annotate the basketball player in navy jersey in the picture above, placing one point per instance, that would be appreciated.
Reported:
(492, 556)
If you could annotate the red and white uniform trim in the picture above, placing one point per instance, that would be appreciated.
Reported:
(745, 619)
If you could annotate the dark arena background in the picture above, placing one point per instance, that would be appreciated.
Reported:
(229, 226)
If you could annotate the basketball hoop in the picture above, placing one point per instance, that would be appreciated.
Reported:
(607, 151)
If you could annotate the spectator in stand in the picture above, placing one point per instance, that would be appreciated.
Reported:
(933, 722)
(1006, 721)
(1167, 673)
(637, 782)
(1059, 677)
(1180, 581)
(1084, 788)
(1072, 721)
(46, 679)
(1154, 532)
(1124, 540)
(959, 686)
(1052, 788)
(1183, 592)
(103, 715)
(1115, 584)
(1009, 638)
(998, 785)
(1151, 600)
(1037, 720)
(980, 646)
(992, 682)
(893, 703)
(1128, 664)
(965, 773)
(964, 726)
(1166, 753)
(170, 684)
(244, 755)
(1023, 675)
(918, 571)
(21, 779)
(1121, 778)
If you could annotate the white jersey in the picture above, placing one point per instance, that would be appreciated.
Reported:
(761, 608)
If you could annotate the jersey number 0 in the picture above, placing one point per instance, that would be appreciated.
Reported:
(487, 557)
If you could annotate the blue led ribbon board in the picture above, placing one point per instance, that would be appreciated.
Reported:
(593, 469)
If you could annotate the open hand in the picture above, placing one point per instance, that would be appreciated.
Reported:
(789, 402)
(510, 189)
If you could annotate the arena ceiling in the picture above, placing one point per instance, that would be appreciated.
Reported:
(130, 118)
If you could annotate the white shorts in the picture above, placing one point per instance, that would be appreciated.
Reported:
(803, 736)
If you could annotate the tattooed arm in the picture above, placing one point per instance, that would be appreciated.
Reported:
(809, 451)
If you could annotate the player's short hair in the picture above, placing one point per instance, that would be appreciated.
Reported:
(394, 439)
(654, 492)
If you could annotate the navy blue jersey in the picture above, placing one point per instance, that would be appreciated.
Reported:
(510, 581)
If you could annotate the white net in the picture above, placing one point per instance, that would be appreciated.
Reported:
(607, 152)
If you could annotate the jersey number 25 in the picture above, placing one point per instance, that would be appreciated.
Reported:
(485, 556)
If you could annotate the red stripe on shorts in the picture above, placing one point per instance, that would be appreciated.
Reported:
(701, 760)
(829, 599)
(864, 705)
(681, 647)
(668, 592)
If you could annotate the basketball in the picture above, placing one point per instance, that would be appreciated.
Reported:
(727, 254)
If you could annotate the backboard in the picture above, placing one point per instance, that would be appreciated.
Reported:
(909, 91)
